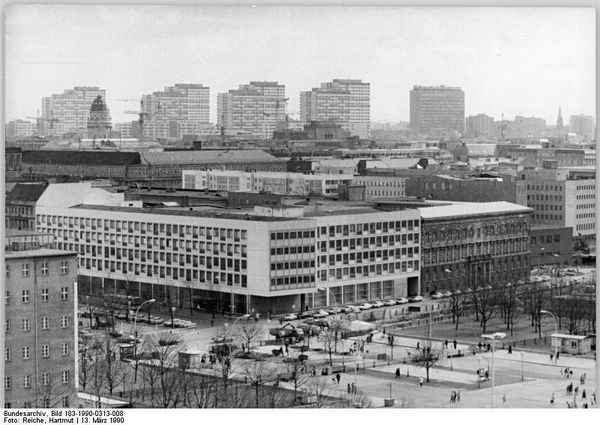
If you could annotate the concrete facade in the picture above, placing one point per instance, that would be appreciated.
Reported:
(40, 329)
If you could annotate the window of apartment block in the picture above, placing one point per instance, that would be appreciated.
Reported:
(65, 401)
(46, 378)
(65, 376)
(7, 297)
(64, 293)
(45, 323)
(64, 267)
(8, 382)
(25, 270)
(65, 349)
(7, 270)
(46, 403)
(7, 326)
(45, 350)
(45, 268)
(26, 324)
(7, 354)
(25, 295)
(26, 353)
(26, 381)
(64, 321)
(45, 295)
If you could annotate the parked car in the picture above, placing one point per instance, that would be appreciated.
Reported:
(333, 310)
(365, 306)
(154, 320)
(289, 317)
(128, 339)
(322, 322)
(415, 299)
(121, 315)
(305, 314)
(389, 302)
(447, 294)
(321, 314)
(353, 309)
(221, 339)
(401, 300)
(437, 296)
(377, 304)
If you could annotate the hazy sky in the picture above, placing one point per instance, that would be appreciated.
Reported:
(511, 60)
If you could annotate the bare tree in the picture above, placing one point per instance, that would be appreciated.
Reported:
(258, 373)
(426, 357)
(485, 305)
(508, 302)
(249, 333)
(457, 307)
(113, 367)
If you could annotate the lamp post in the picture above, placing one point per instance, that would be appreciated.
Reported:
(555, 326)
(493, 337)
(228, 329)
(522, 365)
(135, 335)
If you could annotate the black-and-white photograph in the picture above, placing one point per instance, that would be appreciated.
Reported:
(298, 207)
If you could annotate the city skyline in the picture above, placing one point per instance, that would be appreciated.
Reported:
(377, 45)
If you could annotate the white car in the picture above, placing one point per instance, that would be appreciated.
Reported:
(437, 296)
(389, 302)
(365, 306)
(415, 299)
(377, 304)
(401, 300)
(352, 309)
(447, 294)
(333, 310)
(321, 314)
(290, 316)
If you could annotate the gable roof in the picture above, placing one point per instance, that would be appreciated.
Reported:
(26, 192)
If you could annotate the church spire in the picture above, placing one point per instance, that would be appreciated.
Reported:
(559, 121)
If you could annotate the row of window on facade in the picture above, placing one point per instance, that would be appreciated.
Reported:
(481, 248)
(366, 256)
(433, 274)
(305, 280)
(456, 234)
(554, 188)
(44, 294)
(46, 404)
(370, 270)
(44, 269)
(44, 351)
(45, 379)
(545, 239)
(136, 226)
(137, 241)
(44, 322)
(371, 242)
(372, 228)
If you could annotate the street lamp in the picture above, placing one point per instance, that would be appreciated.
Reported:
(493, 337)
(136, 314)
(135, 335)
(555, 326)
(228, 329)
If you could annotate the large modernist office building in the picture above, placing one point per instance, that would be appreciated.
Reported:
(281, 259)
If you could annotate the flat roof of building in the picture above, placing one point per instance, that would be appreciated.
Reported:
(35, 253)
(472, 208)
(209, 157)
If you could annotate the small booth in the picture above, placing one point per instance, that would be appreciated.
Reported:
(189, 359)
(572, 344)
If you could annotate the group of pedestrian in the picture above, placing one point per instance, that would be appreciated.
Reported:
(351, 388)
(454, 396)
(567, 373)
(554, 357)
(337, 378)
(454, 344)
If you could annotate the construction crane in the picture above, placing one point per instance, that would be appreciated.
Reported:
(40, 119)
(142, 116)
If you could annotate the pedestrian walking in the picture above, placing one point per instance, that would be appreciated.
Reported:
(551, 357)
(420, 381)
(349, 388)
(479, 345)
(212, 322)
(510, 349)
(557, 354)
(333, 379)
(576, 391)
(583, 394)
(570, 374)
(503, 398)
(338, 377)
(446, 343)
(398, 373)
(452, 396)
(552, 399)
(454, 343)
(593, 398)
(418, 345)
(281, 320)
(458, 395)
